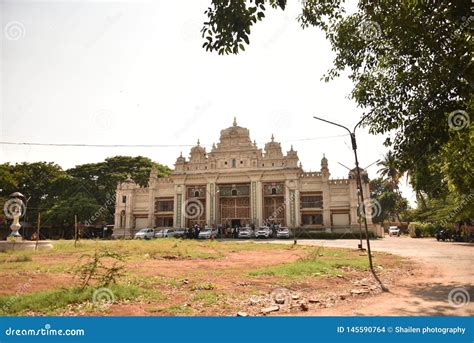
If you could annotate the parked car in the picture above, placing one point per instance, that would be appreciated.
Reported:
(146, 233)
(283, 232)
(163, 233)
(246, 232)
(207, 233)
(393, 231)
(264, 232)
(177, 233)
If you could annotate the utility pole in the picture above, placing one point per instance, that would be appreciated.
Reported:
(361, 191)
(75, 231)
(38, 231)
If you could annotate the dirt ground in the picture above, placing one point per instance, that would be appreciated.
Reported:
(443, 267)
(419, 281)
(211, 286)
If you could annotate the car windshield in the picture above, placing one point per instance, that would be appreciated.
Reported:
(143, 230)
(283, 230)
(206, 230)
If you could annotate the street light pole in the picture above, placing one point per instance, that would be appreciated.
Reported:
(359, 185)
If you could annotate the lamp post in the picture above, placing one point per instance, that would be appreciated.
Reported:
(361, 191)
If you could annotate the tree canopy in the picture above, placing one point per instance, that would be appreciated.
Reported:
(83, 190)
(410, 63)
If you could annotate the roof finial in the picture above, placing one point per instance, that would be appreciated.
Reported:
(181, 154)
(291, 147)
(254, 142)
(273, 138)
(235, 121)
(199, 142)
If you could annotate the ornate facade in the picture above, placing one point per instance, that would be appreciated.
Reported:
(238, 183)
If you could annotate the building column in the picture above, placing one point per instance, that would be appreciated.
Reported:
(353, 202)
(129, 211)
(259, 202)
(253, 203)
(178, 219)
(151, 208)
(210, 204)
(326, 204)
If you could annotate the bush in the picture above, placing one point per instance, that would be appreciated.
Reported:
(419, 229)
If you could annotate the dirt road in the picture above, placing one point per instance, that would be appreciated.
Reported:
(445, 267)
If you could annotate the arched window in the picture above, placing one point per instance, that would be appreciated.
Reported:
(196, 194)
(234, 192)
(274, 190)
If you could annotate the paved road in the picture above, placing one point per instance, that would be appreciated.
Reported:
(444, 266)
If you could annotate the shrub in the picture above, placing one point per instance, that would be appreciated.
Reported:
(419, 229)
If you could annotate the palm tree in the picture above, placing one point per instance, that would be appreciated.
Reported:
(389, 169)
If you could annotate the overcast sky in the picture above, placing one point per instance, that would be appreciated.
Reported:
(109, 72)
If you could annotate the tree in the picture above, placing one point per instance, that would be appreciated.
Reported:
(100, 180)
(389, 169)
(410, 62)
(392, 203)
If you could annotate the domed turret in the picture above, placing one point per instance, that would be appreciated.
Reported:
(198, 153)
(324, 163)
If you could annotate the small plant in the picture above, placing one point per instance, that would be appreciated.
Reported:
(18, 258)
(104, 267)
(205, 286)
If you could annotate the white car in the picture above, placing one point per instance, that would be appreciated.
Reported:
(163, 233)
(283, 232)
(264, 232)
(146, 233)
(207, 233)
(246, 232)
(393, 231)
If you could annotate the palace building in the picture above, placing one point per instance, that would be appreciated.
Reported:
(237, 183)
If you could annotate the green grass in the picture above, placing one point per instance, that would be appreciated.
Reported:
(177, 310)
(204, 286)
(318, 262)
(49, 302)
(207, 298)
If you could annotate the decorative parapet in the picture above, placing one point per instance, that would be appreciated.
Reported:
(164, 180)
(311, 174)
(339, 182)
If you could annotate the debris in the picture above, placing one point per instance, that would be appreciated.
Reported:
(254, 301)
(359, 291)
(185, 281)
(314, 300)
(279, 298)
(304, 306)
(242, 314)
(295, 297)
(339, 276)
(270, 309)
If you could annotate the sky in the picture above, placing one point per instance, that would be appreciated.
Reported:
(135, 73)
